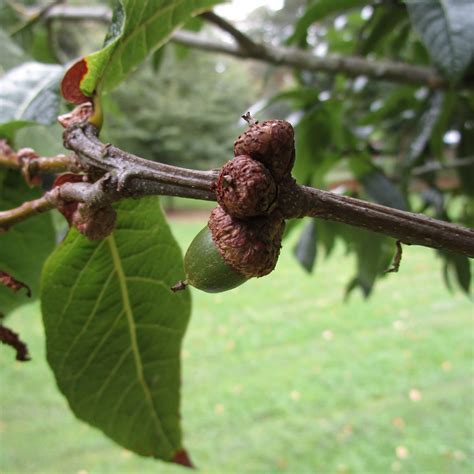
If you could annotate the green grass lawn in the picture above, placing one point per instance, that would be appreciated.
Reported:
(280, 375)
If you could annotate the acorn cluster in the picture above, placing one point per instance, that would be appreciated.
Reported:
(243, 237)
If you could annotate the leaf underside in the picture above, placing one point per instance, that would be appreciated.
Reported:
(29, 94)
(114, 329)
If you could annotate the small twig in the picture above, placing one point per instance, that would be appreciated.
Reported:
(28, 209)
(437, 166)
(37, 16)
(10, 338)
(397, 259)
(32, 165)
(7, 280)
(181, 285)
(249, 119)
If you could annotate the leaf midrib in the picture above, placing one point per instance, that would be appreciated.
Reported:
(117, 264)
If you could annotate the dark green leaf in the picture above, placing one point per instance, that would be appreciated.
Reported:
(384, 22)
(424, 129)
(157, 58)
(373, 252)
(114, 329)
(305, 249)
(460, 267)
(312, 136)
(29, 94)
(445, 26)
(318, 10)
(442, 124)
(25, 247)
(382, 190)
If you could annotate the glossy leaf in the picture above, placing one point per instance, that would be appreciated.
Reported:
(445, 27)
(305, 249)
(114, 329)
(25, 247)
(138, 28)
(29, 94)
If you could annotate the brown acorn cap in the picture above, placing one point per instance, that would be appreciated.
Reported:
(250, 247)
(245, 188)
(270, 142)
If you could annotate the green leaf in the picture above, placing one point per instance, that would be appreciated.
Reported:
(373, 253)
(305, 249)
(376, 184)
(114, 329)
(318, 10)
(29, 93)
(25, 247)
(458, 265)
(11, 54)
(445, 27)
(382, 190)
(138, 28)
(442, 124)
(383, 23)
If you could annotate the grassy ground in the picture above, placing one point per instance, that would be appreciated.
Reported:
(281, 376)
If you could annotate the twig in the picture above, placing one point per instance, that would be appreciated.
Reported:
(14, 284)
(437, 166)
(244, 41)
(25, 211)
(397, 259)
(125, 175)
(10, 338)
(32, 165)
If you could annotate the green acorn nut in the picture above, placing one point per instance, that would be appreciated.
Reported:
(206, 269)
(270, 142)
(229, 251)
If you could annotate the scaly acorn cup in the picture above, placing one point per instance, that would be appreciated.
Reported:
(272, 143)
(229, 251)
(245, 188)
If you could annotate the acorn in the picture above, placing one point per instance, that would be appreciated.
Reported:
(205, 267)
(245, 188)
(229, 251)
(272, 143)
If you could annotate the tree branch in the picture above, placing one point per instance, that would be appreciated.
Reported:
(124, 175)
(296, 58)
(32, 165)
(145, 177)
